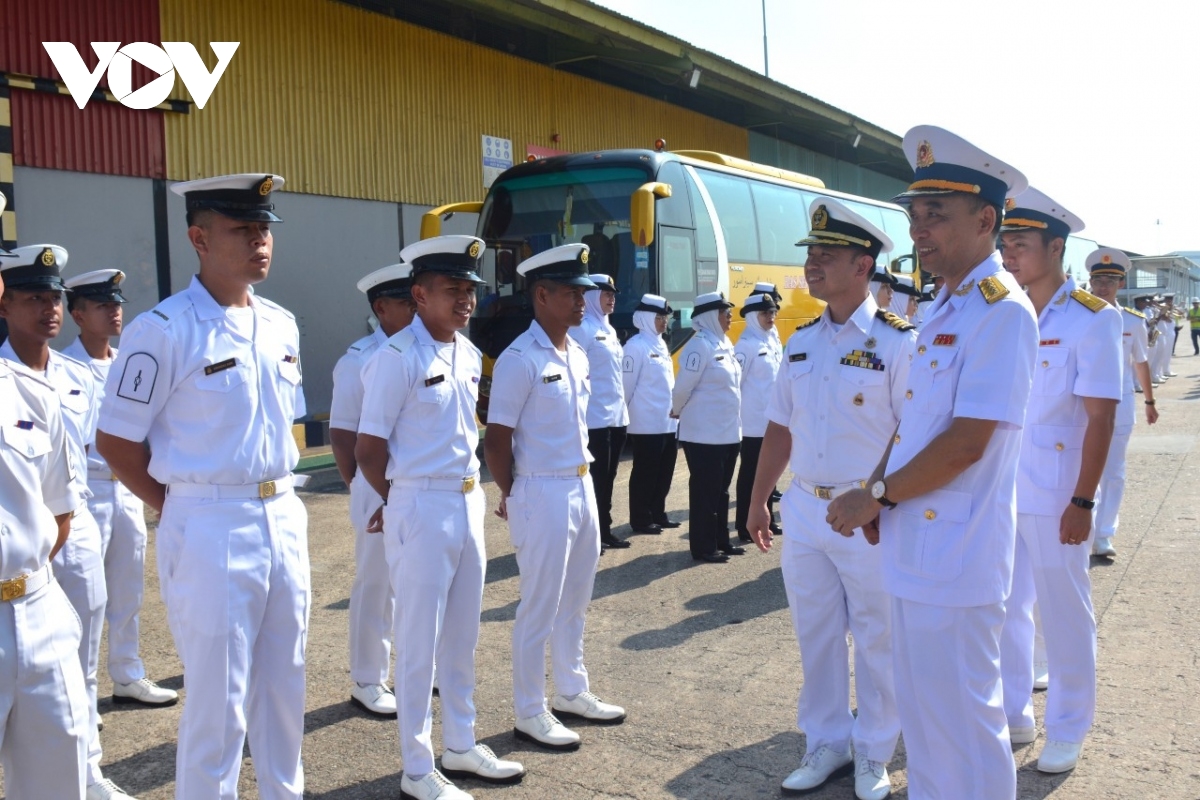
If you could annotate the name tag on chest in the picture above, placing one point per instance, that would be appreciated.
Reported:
(220, 366)
(435, 380)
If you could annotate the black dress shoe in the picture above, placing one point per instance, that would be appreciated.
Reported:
(776, 530)
(653, 528)
(614, 542)
(712, 558)
(745, 537)
(667, 523)
(733, 551)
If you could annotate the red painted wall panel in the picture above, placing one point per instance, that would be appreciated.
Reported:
(25, 24)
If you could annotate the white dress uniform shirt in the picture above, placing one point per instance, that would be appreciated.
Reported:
(833, 409)
(542, 394)
(100, 368)
(435, 384)
(606, 405)
(648, 376)
(345, 409)
(1135, 348)
(759, 355)
(954, 546)
(706, 396)
(1078, 356)
(222, 424)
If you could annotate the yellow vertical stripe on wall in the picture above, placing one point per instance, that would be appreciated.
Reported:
(348, 103)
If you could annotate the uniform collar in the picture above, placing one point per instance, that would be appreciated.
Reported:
(52, 363)
(422, 334)
(206, 307)
(970, 285)
(378, 337)
(864, 315)
(1062, 295)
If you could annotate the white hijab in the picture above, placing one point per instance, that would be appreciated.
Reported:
(755, 329)
(644, 321)
(591, 302)
(708, 322)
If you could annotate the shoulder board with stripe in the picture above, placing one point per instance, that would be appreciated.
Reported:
(894, 320)
(1088, 300)
(804, 325)
(992, 289)
(1135, 312)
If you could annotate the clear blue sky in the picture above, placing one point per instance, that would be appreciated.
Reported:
(1097, 103)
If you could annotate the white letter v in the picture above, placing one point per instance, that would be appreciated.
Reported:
(80, 83)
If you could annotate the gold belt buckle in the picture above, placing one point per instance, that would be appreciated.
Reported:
(266, 489)
(468, 484)
(13, 588)
(823, 492)
(582, 470)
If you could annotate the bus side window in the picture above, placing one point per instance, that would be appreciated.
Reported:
(782, 221)
(735, 211)
(673, 210)
(706, 236)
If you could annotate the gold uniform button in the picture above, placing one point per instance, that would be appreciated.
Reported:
(930, 514)
(921, 350)
(897, 439)
(1045, 363)
(908, 394)
(933, 364)
(1058, 446)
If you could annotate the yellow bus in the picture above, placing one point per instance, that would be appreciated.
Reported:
(677, 224)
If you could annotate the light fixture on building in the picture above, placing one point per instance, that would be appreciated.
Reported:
(857, 139)
(694, 80)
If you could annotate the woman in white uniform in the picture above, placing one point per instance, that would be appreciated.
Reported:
(759, 355)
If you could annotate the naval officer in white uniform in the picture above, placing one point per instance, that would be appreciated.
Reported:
(837, 400)
(210, 377)
(416, 447)
(94, 301)
(372, 602)
(948, 478)
(1064, 444)
(536, 449)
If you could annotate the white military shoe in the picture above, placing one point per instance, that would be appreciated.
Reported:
(586, 705)
(375, 699)
(816, 768)
(547, 731)
(1021, 734)
(433, 786)
(146, 692)
(1059, 756)
(1103, 546)
(871, 781)
(106, 790)
(480, 762)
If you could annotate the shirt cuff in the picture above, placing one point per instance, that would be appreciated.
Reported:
(63, 505)
(995, 412)
(345, 424)
(1098, 390)
(500, 418)
(372, 429)
(124, 430)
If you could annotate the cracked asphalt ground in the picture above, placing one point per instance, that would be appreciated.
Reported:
(704, 659)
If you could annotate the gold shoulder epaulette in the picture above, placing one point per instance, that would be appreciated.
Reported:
(1088, 300)
(895, 321)
(804, 325)
(1135, 312)
(992, 289)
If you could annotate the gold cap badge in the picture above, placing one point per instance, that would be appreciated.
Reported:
(48, 257)
(1010, 204)
(583, 257)
(924, 154)
(475, 249)
(266, 186)
(1106, 259)
(820, 218)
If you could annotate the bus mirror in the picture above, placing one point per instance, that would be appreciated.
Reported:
(431, 221)
(641, 211)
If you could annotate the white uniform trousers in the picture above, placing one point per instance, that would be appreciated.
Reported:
(1112, 483)
(372, 602)
(1057, 576)
(834, 584)
(556, 532)
(1158, 358)
(45, 723)
(235, 580)
(435, 553)
(79, 569)
(122, 522)
(949, 696)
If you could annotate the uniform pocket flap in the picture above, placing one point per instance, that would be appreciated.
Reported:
(29, 442)
(1057, 437)
(941, 505)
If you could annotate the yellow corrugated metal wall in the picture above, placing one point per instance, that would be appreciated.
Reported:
(347, 103)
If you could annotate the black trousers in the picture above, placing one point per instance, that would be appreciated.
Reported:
(751, 447)
(654, 457)
(606, 445)
(1175, 341)
(710, 468)
(1196, 340)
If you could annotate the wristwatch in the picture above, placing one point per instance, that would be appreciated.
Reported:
(879, 492)
(1083, 503)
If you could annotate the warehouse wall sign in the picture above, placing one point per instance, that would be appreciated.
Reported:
(164, 61)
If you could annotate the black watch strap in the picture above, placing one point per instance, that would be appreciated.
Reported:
(1083, 502)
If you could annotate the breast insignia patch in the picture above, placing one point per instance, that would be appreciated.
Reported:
(992, 289)
(899, 323)
(1088, 300)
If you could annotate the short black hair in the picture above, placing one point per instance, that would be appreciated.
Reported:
(198, 216)
(1048, 237)
(978, 206)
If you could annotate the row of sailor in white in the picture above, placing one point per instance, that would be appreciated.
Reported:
(79, 565)
(598, 338)
(1134, 351)
(759, 355)
(214, 390)
(706, 397)
(1079, 357)
(542, 394)
(372, 599)
(45, 724)
(839, 395)
(420, 396)
(119, 515)
(947, 554)
(1165, 343)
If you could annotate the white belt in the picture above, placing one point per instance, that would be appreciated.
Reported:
(827, 492)
(22, 585)
(252, 490)
(101, 475)
(569, 472)
(464, 485)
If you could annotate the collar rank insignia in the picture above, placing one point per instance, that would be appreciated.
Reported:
(992, 289)
(1088, 300)
(964, 289)
(863, 359)
(804, 325)
(1062, 298)
(1049, 342)
(945, 339)
(25, 424)
(794, 357)
(899, 323)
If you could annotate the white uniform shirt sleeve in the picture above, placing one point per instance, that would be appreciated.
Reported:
(345, 410)
(1098, 358)
(631, 368)
(997, 370)
(139, 383)
(779, 408)
(385, 379)
(692, 363)
(1141, 345)
(511, 387)
(61, 480)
